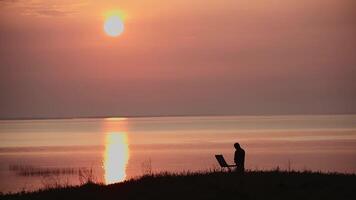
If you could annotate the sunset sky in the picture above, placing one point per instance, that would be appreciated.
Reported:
(177, 57)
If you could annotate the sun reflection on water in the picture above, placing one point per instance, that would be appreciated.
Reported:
(116, 157)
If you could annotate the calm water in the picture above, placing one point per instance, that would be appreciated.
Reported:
(116, 149)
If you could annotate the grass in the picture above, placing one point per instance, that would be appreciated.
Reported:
(211, 185)
(29, 170)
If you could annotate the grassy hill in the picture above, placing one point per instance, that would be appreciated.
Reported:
(211, 185)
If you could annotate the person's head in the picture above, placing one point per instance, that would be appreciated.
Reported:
(237, 145)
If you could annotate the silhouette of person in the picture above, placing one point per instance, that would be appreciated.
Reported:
(239, 158)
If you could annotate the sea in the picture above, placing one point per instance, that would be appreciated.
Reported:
(44, 153)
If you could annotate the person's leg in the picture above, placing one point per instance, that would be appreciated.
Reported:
(238, 169)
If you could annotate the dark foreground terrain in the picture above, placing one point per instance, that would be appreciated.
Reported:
(211, 185)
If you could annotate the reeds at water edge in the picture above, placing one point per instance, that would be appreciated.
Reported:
(29, 170)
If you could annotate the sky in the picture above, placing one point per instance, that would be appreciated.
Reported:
(177, 57)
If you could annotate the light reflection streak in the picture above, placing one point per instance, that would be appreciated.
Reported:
(116, 157)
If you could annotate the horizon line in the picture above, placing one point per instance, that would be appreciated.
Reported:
(171, 115)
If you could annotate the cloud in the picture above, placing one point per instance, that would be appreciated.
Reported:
(45, 8)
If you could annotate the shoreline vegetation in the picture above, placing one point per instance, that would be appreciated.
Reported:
(29, 170)
(214, 184)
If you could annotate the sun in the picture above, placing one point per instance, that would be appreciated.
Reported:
(114, 26)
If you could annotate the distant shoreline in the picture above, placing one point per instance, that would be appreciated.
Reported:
(158, 116)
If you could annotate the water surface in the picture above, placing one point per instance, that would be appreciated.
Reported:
(116, 149)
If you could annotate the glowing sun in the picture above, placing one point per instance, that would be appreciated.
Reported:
(114, 26)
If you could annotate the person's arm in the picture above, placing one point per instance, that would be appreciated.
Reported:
(236, 158)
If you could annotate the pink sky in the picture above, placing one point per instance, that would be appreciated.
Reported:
(177, 58)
